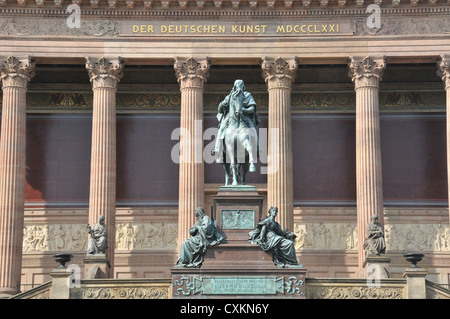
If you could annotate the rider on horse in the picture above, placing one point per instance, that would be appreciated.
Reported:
(238, 95)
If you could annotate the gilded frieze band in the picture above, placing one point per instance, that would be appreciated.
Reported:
(170, 101)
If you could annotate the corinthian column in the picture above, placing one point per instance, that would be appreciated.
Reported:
(15, 74)
(444, 73)
(105, 74)
(279, 74)
(366, 75)
(191, 75)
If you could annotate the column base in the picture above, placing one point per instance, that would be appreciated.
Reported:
(6, 293)
(96, 266)
(377, 267)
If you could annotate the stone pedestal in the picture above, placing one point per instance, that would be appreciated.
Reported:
(377, 267)
(201, 283)
(96, 266)
(60, 283)
(237, 210)
(237, 268)
(416, 284)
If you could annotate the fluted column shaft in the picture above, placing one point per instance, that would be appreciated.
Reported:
(191, 74)
(15, 74)
(279, 74)
(105, 75)
(366, 74)
(444, 73)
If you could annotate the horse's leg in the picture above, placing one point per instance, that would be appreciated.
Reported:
(244, 172)
(230, 159)
(251, 159)
(226, 167)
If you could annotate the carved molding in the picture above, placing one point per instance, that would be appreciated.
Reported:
(171, 101)
(343, 292)
(279, 73)
(122, 293)
(191, 73)
(57, 27)
(403, 26)
(367, 71)
(16, 72)
(104, 73)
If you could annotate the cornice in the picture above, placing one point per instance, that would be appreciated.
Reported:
(139, 10)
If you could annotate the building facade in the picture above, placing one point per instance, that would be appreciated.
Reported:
(108, 109)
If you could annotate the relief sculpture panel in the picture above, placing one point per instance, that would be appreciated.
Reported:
(403, 237)
(73, 237)
(326, 236)
(131, 236)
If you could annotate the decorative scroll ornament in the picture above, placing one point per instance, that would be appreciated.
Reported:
(444, 70)
(279, 72)
(16, 72)
(349, 292)
(122, 293)
(191, 72)
(104, 73)
(366, 72)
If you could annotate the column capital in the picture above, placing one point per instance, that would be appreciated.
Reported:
(444, 69)
(16, 71)
(366, 71)
(104, 72)
(191, 72)
(279, 72)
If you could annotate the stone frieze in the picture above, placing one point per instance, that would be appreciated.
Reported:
(73, 237)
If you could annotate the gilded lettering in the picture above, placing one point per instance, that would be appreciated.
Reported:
(135, 28)
(163, 29)
(264, 26)
(309, 28)
(234, 29)
(280, 29)
(324, 28)
(303, 28)
(332, 27)
(289, 28)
